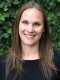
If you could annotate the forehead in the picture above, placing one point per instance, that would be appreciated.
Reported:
(32, 13)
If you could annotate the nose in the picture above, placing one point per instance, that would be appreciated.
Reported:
(30, 28)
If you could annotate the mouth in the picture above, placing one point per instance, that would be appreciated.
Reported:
(29, 36)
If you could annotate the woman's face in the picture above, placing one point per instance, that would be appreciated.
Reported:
(31, 26)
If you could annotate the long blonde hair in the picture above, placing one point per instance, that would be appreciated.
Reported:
(14, 58)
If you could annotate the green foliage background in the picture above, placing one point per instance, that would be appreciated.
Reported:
(8, 11)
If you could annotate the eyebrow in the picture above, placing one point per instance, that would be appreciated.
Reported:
(34, 21)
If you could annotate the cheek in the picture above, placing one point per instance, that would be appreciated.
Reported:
(21, 28)
(40, 30)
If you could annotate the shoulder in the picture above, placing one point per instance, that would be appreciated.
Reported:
(57, 58)
(56, 55)
(2, 61)
(2, 58)
(2, 66)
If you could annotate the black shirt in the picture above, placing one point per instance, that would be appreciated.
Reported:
(32, 69)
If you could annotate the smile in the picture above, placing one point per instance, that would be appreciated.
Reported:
(29, 36)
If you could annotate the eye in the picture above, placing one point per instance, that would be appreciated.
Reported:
(36, 24)
(25, 22)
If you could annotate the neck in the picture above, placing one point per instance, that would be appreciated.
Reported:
(30, 52)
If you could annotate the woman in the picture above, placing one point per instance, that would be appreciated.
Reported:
(31, 56)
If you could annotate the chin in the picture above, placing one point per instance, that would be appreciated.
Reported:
(30, 43)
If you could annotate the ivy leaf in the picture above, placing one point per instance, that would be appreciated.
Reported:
(2, 4)
(5, 9)
(5, 35)
(58, 0)
(9, 30)
(2, 17)
(15, 2)
(51, 16)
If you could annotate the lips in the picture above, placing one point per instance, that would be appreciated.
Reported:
(29, 36)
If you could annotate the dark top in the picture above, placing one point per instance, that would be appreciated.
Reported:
(32, 69)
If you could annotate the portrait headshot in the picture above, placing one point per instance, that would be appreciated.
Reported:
(31, 55)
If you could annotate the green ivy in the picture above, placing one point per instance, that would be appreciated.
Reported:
(8, 11)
